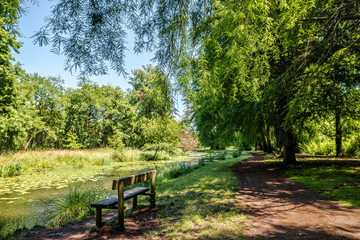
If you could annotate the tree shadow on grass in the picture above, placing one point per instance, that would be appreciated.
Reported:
(279, 208)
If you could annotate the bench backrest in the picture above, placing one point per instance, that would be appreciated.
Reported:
(133, 179)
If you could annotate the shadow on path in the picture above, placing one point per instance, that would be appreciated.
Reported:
(278, 208)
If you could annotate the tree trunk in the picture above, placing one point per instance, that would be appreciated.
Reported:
(267, 140)
(338, 134)
(289, 148)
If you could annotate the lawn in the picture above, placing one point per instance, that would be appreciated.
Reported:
(202, 204)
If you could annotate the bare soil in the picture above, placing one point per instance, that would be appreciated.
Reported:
(137, 225)
(276, 208)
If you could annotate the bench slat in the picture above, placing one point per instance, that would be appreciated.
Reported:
(110, 202)
(133, 179)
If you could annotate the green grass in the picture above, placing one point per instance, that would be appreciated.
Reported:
(335, 179)
(201, 204)
(30, 161)
(75, 205)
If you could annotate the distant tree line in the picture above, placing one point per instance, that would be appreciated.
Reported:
(50, 116)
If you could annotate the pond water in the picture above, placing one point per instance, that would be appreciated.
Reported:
(27, 200)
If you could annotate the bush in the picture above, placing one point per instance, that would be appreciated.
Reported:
(116, 140)
(352, 148)
(72, 141)
(321, 146)
(222, 156)
(188, 141)
(236, 153)
(11, 170)
(118, 156)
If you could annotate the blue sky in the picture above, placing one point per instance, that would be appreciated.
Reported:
(40, 60)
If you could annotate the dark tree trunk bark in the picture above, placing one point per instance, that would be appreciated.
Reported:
(267, 140)
(289, 148)
(338, 134)
(338, 103)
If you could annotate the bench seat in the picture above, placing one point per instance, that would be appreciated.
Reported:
(110, 202)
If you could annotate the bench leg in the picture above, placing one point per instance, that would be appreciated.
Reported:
(99, 217)
(152, 201)
(135, 202)
(121, 207)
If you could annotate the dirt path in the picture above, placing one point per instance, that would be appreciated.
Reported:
(144, 220)
(278, 208)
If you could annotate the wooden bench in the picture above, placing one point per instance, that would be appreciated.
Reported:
(117, 201)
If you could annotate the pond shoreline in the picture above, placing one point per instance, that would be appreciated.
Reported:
(34, 192)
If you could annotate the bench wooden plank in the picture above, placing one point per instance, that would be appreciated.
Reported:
(133, 179)
(110, 202)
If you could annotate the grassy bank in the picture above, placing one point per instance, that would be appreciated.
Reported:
(30, 161)
(201, 204)
(337, 179)
(33, 196)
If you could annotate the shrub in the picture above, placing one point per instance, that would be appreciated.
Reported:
(320, 146)
(11, 170)
(72, 141)
(236, 153)
(118, 156)
(222, 156)
(189, 141)
(116, 140)
(352, 148)
(181, 169)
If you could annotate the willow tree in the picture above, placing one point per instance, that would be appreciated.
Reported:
(241, 53)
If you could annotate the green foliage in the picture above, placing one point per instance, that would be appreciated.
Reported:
(320, 146)
(72, 141)
(11, 119)
(74, 206)
(222, 155)
(161, 134)
(236, 153)
(116, 140)
(352, 146)
(181, 169)
(10, 170)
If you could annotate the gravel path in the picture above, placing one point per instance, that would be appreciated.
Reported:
(278, 208)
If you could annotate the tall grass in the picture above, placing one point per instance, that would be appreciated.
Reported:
(74, 206)
(15, 164)
(11, 169)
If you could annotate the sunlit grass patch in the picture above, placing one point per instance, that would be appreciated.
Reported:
(202, 204)
(336, 179)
